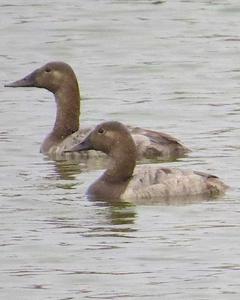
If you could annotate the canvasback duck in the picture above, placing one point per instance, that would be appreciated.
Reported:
(60, 79)
(122, 180)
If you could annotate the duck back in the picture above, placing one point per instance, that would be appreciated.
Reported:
(151, 181)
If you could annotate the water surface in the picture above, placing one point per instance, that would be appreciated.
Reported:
(166, 65)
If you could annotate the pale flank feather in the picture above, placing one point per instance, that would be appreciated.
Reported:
(151, 181)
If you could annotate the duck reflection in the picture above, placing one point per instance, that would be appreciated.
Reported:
(68, 169)
(95, 219)
(118, 212)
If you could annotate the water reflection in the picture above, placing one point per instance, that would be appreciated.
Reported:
(110, 220)
(69, 169)
(119, 212)
(65, 170)
(171, 67)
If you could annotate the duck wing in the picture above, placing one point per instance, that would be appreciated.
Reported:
(152, 144)
(153, 181)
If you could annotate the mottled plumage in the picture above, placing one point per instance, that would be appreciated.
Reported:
(151, 181)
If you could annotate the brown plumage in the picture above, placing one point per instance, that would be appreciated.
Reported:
(122, 180)
(60, 79)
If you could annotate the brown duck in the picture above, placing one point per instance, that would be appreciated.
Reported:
(60, 79)
(122, 180)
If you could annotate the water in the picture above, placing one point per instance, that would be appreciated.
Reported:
(166, 65)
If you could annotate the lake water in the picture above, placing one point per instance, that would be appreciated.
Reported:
(166, 65)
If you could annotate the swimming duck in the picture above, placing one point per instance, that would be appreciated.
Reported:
(124, 180)
(60, 79)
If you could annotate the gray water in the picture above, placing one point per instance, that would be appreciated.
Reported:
(166, 65)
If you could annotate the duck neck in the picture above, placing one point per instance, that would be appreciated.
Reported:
(121, 166)
(68, 111)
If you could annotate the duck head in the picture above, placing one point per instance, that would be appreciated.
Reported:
(52, 76)
(108, 137)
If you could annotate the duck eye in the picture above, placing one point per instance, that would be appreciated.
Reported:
(101, 130)
(47, 70)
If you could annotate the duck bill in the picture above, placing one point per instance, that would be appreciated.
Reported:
(83, 146)
(28, 81)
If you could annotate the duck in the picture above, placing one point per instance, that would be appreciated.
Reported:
(125, 181)
(59, 78)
